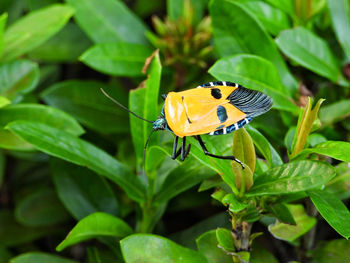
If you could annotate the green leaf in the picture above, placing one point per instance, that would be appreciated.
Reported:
(18, 77)
(340, 13)
(235, 206)
(30, 32)
(176, 9)
(41, 114)
(117, 59)
(34, 257)
(255, 73)
(188, 236)
(3, 19)
(265, 148)
(282, 213)
(334, 112)
(144, 102)
(251, 215)
(336, 251)
(38, 114)
(207, 244)
(148, 248)
(332, 210)
(304, 126)
(13, 234)
(290, 233)
(85, 101)
(5, 255)
(231, 22)
(66, 46)
(108, 21)
(40, 208)
(37, 4)
(180, 179)
(243, 150)
(315, 139)
(292, 177)
(223, 167)
(225, 239)
(260, 255)
(4, 101)
(11, 141)
(336, 149)
(95, 225)
(285, 5)
(73, 185)
(78, 151)
(273, 19)
(310, 51)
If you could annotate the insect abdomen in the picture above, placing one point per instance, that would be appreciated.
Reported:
(232, 127)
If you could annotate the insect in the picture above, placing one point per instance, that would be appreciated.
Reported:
(213, 108)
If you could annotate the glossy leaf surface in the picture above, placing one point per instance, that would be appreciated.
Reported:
(292, 177)
(85, 101)
(41, 114)
(18, 77)
(144, 102)
(310, 51)
(155, 249)
(243, 149)
(66, 46)
(336, 149)
(117, 59)
(332, 210)
(305, 124)
(340, 13)
(34, 257)
(82, 191)
(3, 19)
(108, 21)
(255, 73)
(290, 232)
(78, 151)
(29, 32)
(272, 18)
(336, 251)
(95, 225)
(231, 22)
(334, 112)
(207, 244)
(265, 148)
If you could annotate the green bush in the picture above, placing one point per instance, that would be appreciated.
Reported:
(76, 184)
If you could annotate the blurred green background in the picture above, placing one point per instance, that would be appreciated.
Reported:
(73, 185)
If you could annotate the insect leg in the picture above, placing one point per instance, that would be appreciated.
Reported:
(175, 152)
(184, 151)
(206, 152)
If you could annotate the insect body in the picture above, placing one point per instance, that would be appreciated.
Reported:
(213, 108)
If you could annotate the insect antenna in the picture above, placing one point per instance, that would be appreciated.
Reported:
(144, 151)
(122, 106)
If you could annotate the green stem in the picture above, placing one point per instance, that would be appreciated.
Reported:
(146, 225)
(308, 9)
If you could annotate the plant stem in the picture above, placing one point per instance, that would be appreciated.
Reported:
(241, 233)
(146, 224)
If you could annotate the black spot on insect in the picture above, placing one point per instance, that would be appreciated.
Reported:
(220, 127)
(216, 93)
(222, 114)
(217, 83)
